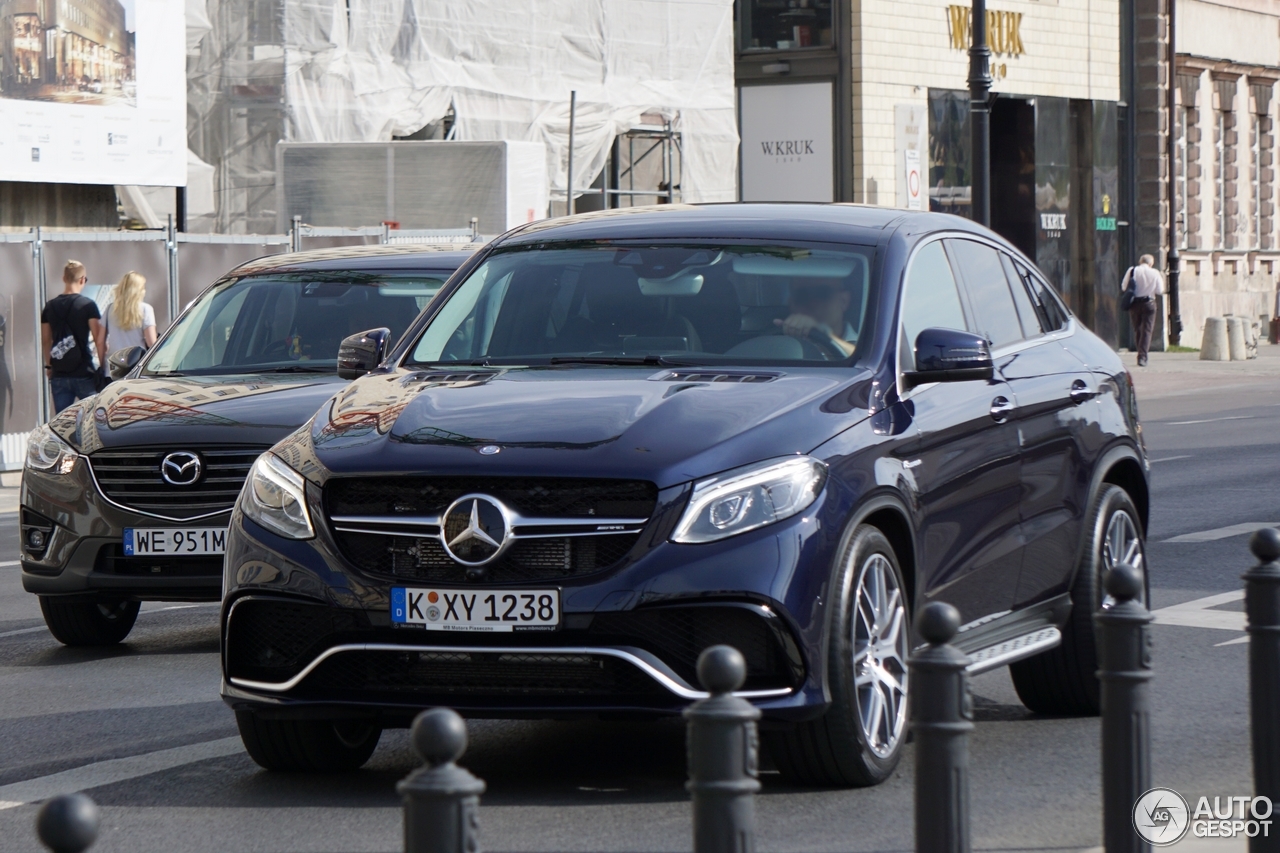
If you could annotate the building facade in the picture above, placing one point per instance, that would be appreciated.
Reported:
(1224, 165)
(894, 77)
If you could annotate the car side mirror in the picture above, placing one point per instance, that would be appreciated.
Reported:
(948, 355)
(362, 352)
(120, 362)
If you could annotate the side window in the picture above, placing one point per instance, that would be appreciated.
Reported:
(931, 300)
(1052, 315)
(1026, 309)
(989, 294)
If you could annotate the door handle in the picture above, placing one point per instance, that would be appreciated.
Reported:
(1001, 409)
(1080, 392)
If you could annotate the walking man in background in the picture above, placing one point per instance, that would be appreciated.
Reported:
(1148, 283)
(66, 323)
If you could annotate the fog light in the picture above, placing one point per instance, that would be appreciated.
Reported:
(35, 538)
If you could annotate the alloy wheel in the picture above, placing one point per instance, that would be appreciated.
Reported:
(880, 655)
(1121, 544)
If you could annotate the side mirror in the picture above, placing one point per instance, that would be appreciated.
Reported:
(362, 352)
(120, 362)
(947, 355)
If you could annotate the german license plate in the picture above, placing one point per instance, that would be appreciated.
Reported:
(499, 610)
(174, 541)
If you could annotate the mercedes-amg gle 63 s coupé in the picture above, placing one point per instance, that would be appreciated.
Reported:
(614, 440)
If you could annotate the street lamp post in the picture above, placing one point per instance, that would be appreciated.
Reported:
(980, 115)
(1175, 309)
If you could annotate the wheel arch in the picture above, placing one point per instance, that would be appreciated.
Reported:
(1126, 471)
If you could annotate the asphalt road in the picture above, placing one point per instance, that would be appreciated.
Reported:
(141, 728)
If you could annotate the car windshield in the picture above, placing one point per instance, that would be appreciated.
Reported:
(287, 323)
(681, 303)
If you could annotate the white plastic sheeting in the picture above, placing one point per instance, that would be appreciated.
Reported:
(365, 70)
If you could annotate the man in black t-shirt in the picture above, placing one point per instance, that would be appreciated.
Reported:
(66, 323)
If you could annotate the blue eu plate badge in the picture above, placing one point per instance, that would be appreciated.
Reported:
(397, 604)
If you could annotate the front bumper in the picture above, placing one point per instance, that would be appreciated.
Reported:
(83, 553)
(304, 634)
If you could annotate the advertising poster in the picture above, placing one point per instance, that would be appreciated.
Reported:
(788, 144)
(93, 92)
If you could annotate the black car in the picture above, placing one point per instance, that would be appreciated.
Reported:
(126, 496)
(617, 439)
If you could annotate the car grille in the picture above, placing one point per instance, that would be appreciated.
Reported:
(381, 553)
(370, 674)
(112, 561)
(131, 478)
(272, 640)
(417, 559)
(541, 496)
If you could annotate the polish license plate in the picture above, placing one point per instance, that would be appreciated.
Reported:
(174, 541)
(499, 610)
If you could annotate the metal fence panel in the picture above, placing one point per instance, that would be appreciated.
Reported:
(106, 258)
(200, 264)
(21, 377)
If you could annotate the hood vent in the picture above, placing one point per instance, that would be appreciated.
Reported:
(703, 375)
(452, 378)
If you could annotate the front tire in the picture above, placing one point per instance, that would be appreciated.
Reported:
(1063, 680)
(89, 623)
(858, 740)
(323, 746)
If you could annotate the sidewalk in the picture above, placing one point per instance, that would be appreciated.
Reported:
(1170, 374)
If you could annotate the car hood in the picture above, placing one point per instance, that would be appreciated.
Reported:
(667, 427)
(196, 410)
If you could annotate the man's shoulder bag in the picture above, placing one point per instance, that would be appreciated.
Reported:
(1126, 296)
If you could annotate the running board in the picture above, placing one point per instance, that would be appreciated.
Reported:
(994, 657)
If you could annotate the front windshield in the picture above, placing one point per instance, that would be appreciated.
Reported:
(287, 323)
(713, 304)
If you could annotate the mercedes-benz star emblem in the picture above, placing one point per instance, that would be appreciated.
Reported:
(476, 529)
(181, 468)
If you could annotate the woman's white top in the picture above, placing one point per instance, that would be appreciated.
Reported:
(117, 338)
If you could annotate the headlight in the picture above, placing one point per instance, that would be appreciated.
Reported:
(275, 496)
(750, 497)
(47, 452)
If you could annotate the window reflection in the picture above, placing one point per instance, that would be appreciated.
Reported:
(785, 24)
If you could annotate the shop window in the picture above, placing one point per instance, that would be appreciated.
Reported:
(949, 187)
(784, 24)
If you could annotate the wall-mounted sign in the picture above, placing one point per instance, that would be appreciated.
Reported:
(788, 144)
(1004, 30)
(912, 177)
(1105, 223)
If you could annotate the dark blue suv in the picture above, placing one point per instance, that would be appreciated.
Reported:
(619, 438)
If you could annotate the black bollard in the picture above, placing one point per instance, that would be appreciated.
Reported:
(441, 800)
(941, 719)
(724, 749)
(1262, 607)
(1124, 660)
(68, 823)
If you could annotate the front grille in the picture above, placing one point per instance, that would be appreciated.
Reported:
(410, 558)
(414, 559)
(531, 496)
(112, 561)
(131, 477)
(273, 639)
(678, 635)
(369, 674)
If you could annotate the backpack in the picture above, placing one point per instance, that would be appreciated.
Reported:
(66, 354)
(1126, 296)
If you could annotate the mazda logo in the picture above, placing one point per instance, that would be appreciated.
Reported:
(181, 468)
(475, 529)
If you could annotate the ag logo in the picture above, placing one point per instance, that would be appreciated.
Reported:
(1161, 816)
(181, 468)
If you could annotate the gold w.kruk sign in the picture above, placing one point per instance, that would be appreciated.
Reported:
(1004, 35)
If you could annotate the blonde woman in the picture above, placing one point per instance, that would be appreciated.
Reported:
(130, 322)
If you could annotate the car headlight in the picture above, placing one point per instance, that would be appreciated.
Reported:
(275, 496)
(750, 497)
(47, 452)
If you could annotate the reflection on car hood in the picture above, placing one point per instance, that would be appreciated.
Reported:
(195, 410)
(573, 421)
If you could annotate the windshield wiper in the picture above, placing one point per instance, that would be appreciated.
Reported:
(298, 368)
(659, 360)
